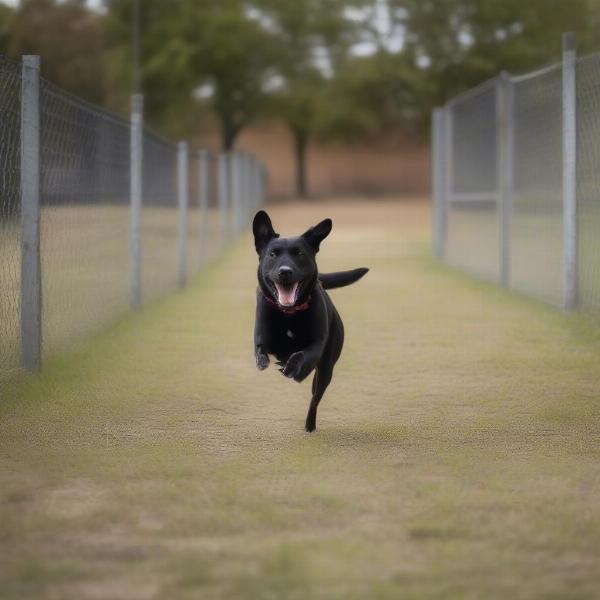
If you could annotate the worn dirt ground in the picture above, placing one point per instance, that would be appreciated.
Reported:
(457, 453)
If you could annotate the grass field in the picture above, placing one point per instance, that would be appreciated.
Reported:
(86, 270)
(457, 453)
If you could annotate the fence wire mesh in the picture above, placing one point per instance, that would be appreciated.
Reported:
(84, 158)
(536, 239)
(204, 233)
(472, 219)
(88, 246)
(160, 216)
(529, 185)
(588, 180)
(194, 233)
(10, 240)
(212, 241)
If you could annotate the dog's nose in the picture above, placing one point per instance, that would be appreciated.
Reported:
(285, 272)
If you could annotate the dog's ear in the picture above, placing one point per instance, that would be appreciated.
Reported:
(315, 235)
(263, 230)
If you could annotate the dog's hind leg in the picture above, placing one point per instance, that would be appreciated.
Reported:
(320, 382)
(324, 370)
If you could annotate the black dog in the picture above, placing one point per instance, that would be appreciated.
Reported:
(296, 320)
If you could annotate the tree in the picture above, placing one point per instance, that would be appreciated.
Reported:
(233, 55)
(69, 39)
(374, 94)
(196, 44)
(301, 103)
(313, 38)
(6, 18)
(459, 43)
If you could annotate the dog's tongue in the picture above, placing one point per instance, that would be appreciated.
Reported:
(287, 296)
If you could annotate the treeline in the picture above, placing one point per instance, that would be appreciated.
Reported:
(326, 68)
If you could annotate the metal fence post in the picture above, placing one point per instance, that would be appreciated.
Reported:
(203, 160)
(135, 192)
(246, 190)
(264, 182)
(223, 193)
(240, 192)
(504, 170)
(250, 183)
(255, 192)
(243, 191)
(31, 277)
(569, 105)
(234, 167)
(438, 166)
(182, 200)
(257, 177)
(447, 154)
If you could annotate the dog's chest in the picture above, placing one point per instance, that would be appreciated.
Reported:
(289, 336)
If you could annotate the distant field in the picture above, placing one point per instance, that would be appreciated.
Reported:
(394, 161)
(457, 453)
(85, 266)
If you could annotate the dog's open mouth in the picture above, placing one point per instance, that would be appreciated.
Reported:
(287, 294)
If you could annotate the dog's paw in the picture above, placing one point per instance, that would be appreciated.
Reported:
(297, 367)
(262, 361)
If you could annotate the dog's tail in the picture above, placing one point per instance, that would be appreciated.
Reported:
(341, 278)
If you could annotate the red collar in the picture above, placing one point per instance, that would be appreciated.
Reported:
(288, 311)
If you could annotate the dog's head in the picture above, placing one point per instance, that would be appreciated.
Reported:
(287, 267)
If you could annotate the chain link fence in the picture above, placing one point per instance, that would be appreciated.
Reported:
(84, 194)
(516, 181)
(10, 240)
(472, 215)
(159, 217)
(536, 237)
(588, 180)
(68, 218)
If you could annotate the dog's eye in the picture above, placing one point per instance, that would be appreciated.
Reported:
(297, 252)
(273, 254)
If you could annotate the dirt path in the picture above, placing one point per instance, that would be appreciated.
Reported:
(457, 455)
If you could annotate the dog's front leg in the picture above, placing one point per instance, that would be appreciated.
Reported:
(262, 358)
(261, 334)
(300, 364)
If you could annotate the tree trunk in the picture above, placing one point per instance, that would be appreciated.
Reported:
(300, 146)
(229, 132)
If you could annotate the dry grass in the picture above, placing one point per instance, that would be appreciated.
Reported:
(86, 271)
(457, 454)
